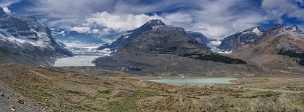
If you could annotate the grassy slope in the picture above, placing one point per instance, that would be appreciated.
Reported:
(74, 92)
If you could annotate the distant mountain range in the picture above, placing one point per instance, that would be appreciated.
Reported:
(252, 36)
(279, 49)
(24, 40)
(159, 48)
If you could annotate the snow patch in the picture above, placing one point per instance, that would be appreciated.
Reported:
(81, 29)
(257, 31)
(7, 10)
(126, 35)
(43, 41)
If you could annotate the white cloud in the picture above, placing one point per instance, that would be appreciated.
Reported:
(118, 22)
(212, 31)
(179, 19)
(218, 20)
(7, 10)
(214, 18)
(277, 8)
(213, 21)
(70, 7)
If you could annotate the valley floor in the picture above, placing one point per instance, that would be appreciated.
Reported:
(59, 90)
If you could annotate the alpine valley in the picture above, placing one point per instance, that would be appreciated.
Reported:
(156, 66)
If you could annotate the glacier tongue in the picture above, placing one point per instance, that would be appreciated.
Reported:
(82, 59)
(84, 53)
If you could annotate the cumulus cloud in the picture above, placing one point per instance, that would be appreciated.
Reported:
(181, 19)
(214, 21)
(219, 18)
(278, 8)
(124, 22)
(214, 18)
(119, 22)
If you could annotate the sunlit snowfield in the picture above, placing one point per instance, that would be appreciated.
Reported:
(196, 82)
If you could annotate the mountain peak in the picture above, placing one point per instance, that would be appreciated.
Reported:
(255, 30)
(155, 22)
(283, 29)
(152, 24)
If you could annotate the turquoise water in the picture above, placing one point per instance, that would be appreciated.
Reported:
(196, 81)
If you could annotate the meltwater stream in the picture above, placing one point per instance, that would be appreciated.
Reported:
(196, 81)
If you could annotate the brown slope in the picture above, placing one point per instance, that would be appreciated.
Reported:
(280, 50)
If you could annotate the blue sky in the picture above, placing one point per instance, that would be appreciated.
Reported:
(214, 18)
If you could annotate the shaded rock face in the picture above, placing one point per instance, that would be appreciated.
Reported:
(156, 47)
(199, 37)
(238, 40)
(293, 54)
(293, 51)
(23, 40)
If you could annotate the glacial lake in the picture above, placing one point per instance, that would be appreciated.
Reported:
(196, 81)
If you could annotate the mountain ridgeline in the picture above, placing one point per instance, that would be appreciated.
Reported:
(155, 37)
(157, 47)
(235, 41)
(278, 49)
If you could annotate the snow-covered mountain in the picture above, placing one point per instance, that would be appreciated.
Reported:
(156, 47)
(128, 36)
(240, 39)
(281, 48)
(254, 36)
(24, 40)
(83, 43)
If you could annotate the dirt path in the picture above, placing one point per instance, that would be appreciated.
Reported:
(12, 102)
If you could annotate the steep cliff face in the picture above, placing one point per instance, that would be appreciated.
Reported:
(24, 40)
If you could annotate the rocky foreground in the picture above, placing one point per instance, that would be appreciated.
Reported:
(32, 89)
